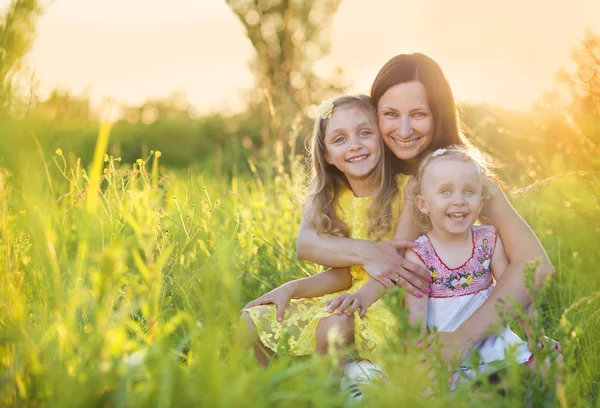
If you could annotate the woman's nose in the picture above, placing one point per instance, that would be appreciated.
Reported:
(405, 129)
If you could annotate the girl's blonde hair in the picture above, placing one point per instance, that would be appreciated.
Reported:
(454, 152)
(327, 181)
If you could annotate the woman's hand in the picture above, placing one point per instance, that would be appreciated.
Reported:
(385, 264)
(280, 297)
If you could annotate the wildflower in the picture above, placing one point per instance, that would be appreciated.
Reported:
(139, 162)
(157, 154)
(325, 109)
(243, 244)
(254, 249)
(59, 152)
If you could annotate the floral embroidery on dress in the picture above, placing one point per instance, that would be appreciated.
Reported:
(471, 277)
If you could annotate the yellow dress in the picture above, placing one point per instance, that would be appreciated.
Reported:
(302, 316)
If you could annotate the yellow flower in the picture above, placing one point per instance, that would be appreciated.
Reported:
(157, 154)
(469, 280)
(139, 161)
(325, 109)
(434, 275)
(254, 249)
(243, 244)
(59, 152)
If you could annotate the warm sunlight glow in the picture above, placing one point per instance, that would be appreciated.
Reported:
(502, 52)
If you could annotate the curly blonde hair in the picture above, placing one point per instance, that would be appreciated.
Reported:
(453, 152)
(327, 181)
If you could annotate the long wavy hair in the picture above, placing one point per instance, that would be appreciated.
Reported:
(327, 181)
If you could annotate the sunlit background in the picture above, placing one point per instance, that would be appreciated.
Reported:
(502, 52)
(152, 180)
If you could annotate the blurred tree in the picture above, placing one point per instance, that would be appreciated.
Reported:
(583, 82)
(288, 36)
(17, 27)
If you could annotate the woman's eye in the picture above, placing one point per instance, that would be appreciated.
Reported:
(419, 114)
(390, 114)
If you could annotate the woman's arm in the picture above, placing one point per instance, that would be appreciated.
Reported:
(521, 246)
(417, 306)
(380, 260)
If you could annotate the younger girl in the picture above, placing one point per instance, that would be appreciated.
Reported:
(348, 171)
(462, 258)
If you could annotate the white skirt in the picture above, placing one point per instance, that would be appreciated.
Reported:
(447, 314)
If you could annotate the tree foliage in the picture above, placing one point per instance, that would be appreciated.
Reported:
(17, 27)
(584, 86)
(288, 36)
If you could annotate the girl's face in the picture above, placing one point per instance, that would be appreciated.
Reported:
(352, 142)
(451, 191)
(405, 120)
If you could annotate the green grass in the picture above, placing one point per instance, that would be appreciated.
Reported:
(129, 295)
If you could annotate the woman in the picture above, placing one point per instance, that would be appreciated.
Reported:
(417, 114)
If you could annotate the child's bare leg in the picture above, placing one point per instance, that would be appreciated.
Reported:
(261, 353)
(341, 328)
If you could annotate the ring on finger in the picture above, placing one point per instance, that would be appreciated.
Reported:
(397, 279)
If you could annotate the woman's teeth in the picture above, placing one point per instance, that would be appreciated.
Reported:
(407, 144)
(357, 159)
(457, 216)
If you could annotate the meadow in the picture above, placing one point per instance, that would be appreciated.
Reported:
(122, 282)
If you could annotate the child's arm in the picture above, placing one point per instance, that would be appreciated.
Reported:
(407, 229)
(417, 306)
(329, 281)
(380, 260)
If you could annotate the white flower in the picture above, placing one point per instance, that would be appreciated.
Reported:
(135, 359)
(325, 109)
(439, 152)
(486, 264)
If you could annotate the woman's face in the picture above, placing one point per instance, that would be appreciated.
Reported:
(405, 120)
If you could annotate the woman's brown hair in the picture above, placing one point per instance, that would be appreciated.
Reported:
(419, 67)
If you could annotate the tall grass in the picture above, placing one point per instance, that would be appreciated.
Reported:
(121, 285)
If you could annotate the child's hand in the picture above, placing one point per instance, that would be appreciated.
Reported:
(361, 299)
(279, 296)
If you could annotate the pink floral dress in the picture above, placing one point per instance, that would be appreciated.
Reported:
(458, 292)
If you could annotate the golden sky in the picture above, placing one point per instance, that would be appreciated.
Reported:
(505, 52)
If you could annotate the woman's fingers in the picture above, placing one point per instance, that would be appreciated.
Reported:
(402, 243)
(409, 287)
(417, 270)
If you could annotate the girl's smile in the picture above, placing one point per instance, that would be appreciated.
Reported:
(353, 145)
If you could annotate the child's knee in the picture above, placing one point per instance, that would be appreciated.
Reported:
(247, 323)
(342, 324)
